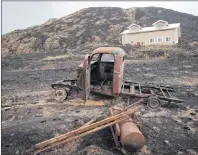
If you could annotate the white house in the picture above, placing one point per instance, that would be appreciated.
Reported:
(161, 32)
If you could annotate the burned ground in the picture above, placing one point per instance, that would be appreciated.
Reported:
(30, 115)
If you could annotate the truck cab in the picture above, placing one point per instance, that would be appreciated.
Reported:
(105, 69)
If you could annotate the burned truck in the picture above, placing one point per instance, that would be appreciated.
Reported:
(102, 73)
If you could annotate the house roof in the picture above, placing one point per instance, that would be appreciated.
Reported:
(163, 21)
(109, 50)
(147, 29)
(134, 25)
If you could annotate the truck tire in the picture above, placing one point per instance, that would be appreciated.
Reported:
(153, 103)
(60, 94)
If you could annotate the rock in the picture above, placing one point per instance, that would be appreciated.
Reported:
(167, 142)
(180, 153)
(17, 152)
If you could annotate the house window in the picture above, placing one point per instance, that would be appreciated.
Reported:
(143, 43)
(134, 28)
(160, 25)
(160, 40)
(152, 40)
(168, 39)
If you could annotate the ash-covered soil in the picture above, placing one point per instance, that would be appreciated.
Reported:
(30, 115)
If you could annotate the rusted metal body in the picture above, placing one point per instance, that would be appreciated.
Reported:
(102, 75)
(118, 55)
(86, 83)
(126, 134)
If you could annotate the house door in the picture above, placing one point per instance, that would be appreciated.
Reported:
(138, 43)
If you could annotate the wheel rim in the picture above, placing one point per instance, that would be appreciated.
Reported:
(60, 94)
(154, 103)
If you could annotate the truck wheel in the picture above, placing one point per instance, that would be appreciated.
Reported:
(153, 102)
(60, 94)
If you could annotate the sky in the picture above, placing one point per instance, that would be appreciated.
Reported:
(20, 15)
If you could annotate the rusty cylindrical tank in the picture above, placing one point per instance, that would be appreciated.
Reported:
(130, 136)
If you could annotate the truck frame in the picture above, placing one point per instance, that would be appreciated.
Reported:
(102, 73)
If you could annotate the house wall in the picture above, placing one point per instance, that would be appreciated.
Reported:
(146, 36)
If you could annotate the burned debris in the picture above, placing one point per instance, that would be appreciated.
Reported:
(126, 134)
(88, 128)
(102, 73)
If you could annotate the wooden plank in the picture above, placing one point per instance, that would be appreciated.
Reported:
(134, 104)
(89, 127)
(88, 123)
(77, 131)
(77, 136)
